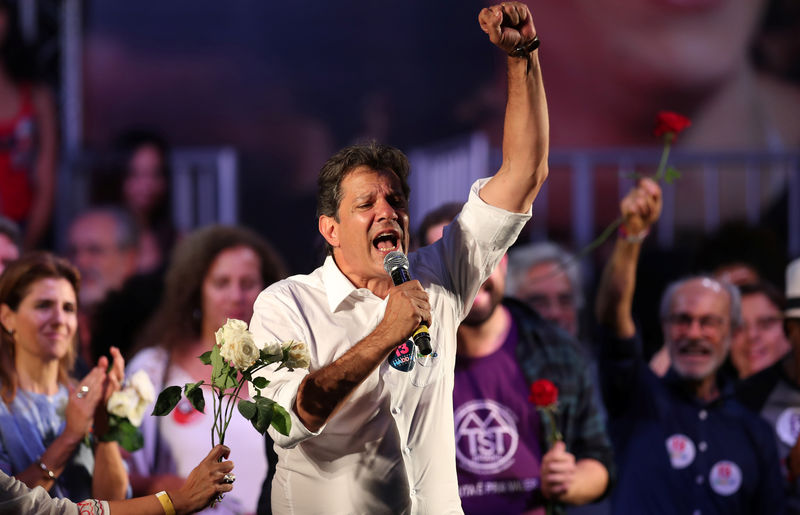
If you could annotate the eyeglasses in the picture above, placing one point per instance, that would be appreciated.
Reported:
(684, 321)
(763, 324)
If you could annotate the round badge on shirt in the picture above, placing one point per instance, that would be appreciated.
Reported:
(184, 413)
(486, 436)
(725, 477)
(681, 450)
(788, 426)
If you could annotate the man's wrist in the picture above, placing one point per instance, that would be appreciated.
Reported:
(525, 49)
(632, 237)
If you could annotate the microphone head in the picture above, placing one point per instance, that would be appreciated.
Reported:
(394, 260)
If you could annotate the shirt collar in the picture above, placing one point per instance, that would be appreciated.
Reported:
(678, 385)
(337, 286)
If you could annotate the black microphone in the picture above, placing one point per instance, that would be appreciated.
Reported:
(396, 265)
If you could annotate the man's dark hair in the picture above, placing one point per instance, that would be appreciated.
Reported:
(445, 213)
(373, 155)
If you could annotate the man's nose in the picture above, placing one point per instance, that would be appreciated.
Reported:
(385, 210)
(695, 329)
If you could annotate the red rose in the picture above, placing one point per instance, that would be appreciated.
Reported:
(668, 122)
(543, 393)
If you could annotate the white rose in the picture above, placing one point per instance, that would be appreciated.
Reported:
(236, 344)
(298, 356)
(273, 349)
(141, 383)
(230, 332)
(136, 415)
(122, 403)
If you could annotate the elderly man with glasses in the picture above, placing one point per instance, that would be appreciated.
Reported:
(683, 443)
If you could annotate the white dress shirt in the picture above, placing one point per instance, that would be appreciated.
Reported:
(390, 448)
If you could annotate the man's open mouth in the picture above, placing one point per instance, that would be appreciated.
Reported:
(694, 349)
(387, 241)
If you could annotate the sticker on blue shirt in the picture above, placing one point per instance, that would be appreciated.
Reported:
(788, 425)
(681, 451)
(402, 358)
(725, 477)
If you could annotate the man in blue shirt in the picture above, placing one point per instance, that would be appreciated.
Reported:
(683, 444)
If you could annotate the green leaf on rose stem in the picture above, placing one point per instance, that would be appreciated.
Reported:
(128, 436)
(167, 400)
(189, 387)
(206, 357)
(248, 409)
(194, 393)
(231, 378)
(260, 382)
(216, 362)
(263, 417)
(281, 420)
(221, 370)
(671, 175)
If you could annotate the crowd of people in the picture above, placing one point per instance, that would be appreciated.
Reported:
(708, 423)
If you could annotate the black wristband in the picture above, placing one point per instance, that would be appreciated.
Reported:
(526, 49)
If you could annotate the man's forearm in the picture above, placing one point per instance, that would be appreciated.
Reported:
(323, 391)
(617, 286)
(591, 481)
(526, 139)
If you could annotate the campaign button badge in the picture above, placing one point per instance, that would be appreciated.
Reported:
(788, 425)
(725, 477)
(681, 450)
(402, 358)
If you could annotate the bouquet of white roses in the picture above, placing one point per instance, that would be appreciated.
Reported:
(126, 409)
(234, 360)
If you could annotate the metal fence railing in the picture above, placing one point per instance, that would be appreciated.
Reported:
(715, 187)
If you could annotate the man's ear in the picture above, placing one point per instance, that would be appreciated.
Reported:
(329, 229)
(7, 317)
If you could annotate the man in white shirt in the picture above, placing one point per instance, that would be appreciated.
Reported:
(372, 421)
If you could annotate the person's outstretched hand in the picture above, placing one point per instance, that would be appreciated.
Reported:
(508, 25)
(204, 483)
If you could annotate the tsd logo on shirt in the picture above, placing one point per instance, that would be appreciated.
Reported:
(486, 437)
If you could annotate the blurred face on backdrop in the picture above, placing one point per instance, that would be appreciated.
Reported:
(94, 248)
(761, 342)
(8, 251)
(45, 321)
(230, 287)
(145, 185)
(697, 329)
(373, 221)
(548, 290)
(655, 44)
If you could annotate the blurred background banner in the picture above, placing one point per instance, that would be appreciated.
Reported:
(253, 97)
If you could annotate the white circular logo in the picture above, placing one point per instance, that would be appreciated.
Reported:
(681, 451)
(486, 436)
(725, 477)
(788, 425)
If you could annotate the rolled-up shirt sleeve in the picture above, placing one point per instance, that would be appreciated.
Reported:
(275, 321)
